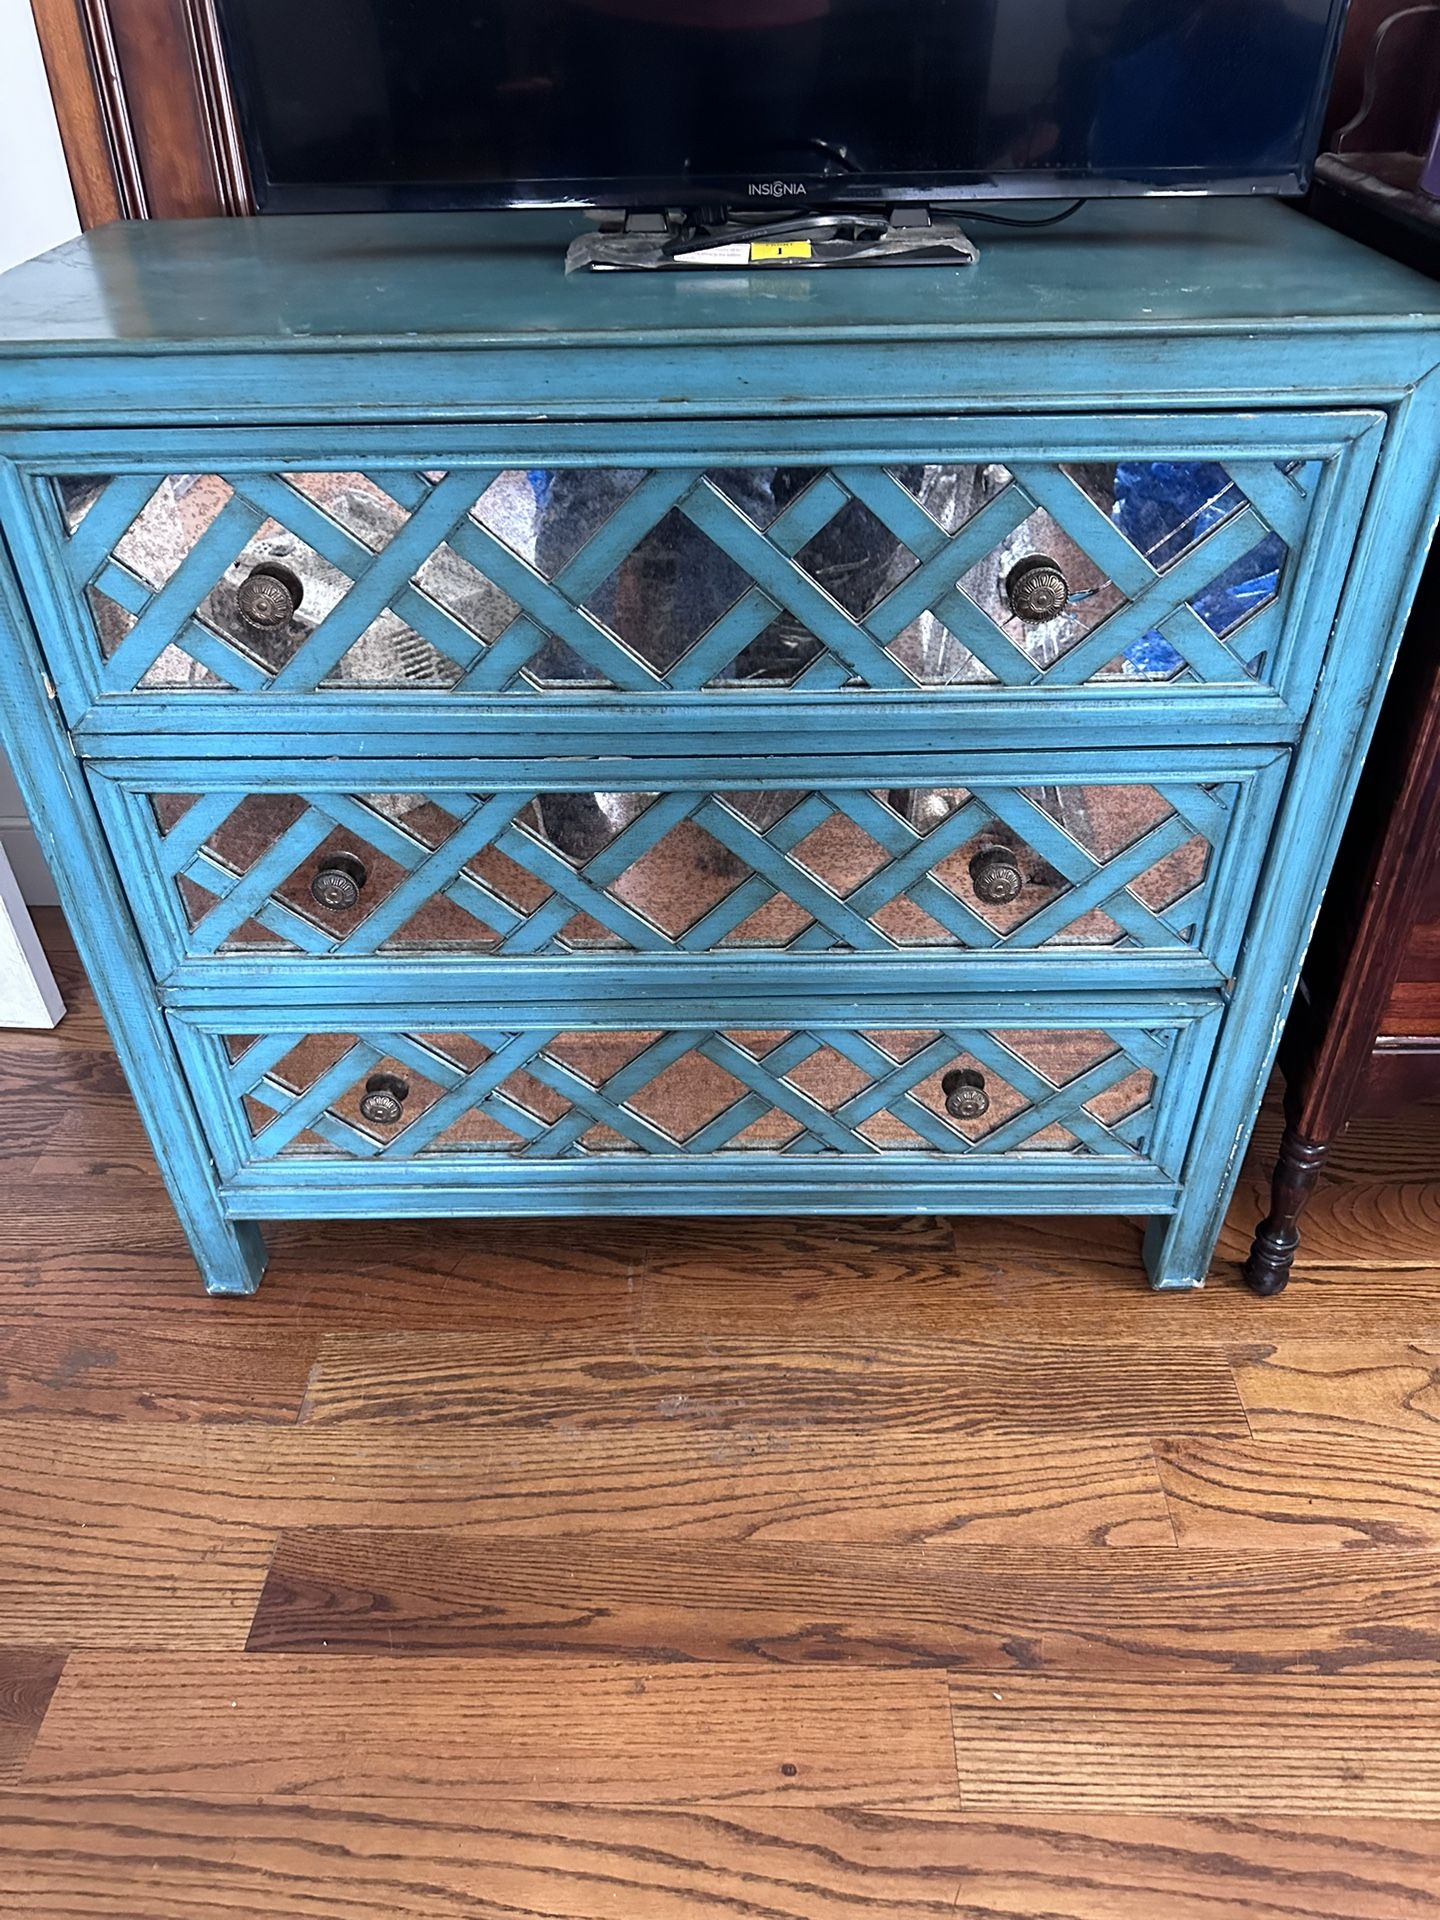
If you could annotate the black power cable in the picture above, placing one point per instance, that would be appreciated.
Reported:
(966, 214)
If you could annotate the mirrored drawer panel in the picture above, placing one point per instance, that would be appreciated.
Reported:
(1068, 1094)
(992, 856)
(1037, 556)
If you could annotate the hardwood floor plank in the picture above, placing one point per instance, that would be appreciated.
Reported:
(182, 1484)
(118, 1586)
(28, 1677)
(1085, 1611)
(1012, 1296)
(155, 1857)
(1374, 1223)
(507, 1729)
(122, 1534)
(107, 1156)
(47, 1090)
(61, 1257)
(1334, 1745)
(1307, 1492)
(189, 1372)
(1176, 1866)
(1356, 1389)
(71, 1248)
(740, 1383)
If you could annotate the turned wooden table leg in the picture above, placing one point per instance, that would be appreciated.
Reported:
(1297, 1168)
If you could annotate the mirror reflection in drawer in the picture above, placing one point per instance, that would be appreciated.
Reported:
(711, 579)
(549, 1095)
(1147, 866)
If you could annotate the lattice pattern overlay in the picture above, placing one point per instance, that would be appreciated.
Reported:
(689, 580)
(693, 871)
(564, 1095)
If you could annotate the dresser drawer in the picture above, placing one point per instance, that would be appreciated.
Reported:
(542, 574)
(304, 876)
(916, 1103)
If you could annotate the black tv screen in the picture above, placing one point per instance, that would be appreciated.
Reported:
(635, 103)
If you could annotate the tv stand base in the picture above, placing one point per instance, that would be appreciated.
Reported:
(907, 236)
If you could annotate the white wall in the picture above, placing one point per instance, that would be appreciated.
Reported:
(37, 211)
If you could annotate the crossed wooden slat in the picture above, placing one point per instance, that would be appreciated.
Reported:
(764, 1079)
(836, 920)
(383, 579)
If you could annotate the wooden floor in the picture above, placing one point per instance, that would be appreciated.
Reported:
(892, 1570)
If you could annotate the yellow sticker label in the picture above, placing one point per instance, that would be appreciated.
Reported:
(780, 250)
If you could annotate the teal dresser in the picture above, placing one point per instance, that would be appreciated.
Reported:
(855, 742)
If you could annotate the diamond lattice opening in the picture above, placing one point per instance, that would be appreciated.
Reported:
(270, 546)
(112, 621)
(569, 507)
(290, 1073)
(840, 853)
(684, 1096)
(1125, 1100)
(74, 495)
(1163, 507)
(464, 591)
(510, 508)
(363, 505)
(671, 588)
(680, 879)
(856, 559)
(763, 493)
(1093, 595)
(828, 1078)
(176, 516)
(778, 656)
(953, 495)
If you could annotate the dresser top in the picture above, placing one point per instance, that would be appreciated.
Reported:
(355, 318)
(1164, 265)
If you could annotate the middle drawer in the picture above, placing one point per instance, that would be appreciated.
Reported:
(628, 874)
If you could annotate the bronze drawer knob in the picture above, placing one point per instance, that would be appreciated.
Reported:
(1036, 588)
(384, 1099)
(996, 876)
(268, 597)
(965, 1095)
(338, 881)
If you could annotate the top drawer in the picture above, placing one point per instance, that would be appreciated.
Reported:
(1030, 566)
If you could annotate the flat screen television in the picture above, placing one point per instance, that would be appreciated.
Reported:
(772, 103)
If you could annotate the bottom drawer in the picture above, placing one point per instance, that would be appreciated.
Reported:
(1009, 1105)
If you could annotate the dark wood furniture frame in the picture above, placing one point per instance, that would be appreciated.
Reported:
(146, 117)
(1364, 1034)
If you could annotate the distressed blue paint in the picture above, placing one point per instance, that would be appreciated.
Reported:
(869, 1187)
(1235, 819)
(762, 730)
(1339, 449)
(1217, 303)
(1183, 331)
(230, 1256)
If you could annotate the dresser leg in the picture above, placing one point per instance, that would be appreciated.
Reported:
(1297, 1168)
(1174, 1263)
(230, 1254)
